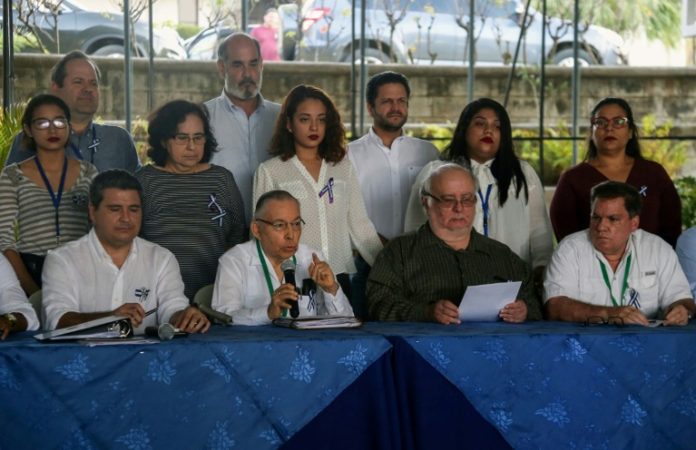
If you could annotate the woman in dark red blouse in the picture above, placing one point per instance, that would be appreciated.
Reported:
(614, 154)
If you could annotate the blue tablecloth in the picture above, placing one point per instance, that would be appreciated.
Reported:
(234, 388)
(553, 385)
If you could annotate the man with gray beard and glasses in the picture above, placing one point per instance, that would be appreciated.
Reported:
(242, 120)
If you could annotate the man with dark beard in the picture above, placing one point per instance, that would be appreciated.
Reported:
(386, 162)
(242, 120)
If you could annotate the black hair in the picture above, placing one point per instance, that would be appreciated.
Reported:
(381, 79)
(506, 165)
(632, 146)
(608, 190)
(116, 179)
(34, 104)
(163, 125)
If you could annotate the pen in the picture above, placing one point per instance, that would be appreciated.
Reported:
(150, 312)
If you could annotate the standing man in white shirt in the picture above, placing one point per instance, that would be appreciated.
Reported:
(387, 163)
(242, 120)
(111, 271)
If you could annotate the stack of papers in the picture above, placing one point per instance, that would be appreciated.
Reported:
(318, 323)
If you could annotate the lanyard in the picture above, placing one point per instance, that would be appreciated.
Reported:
(624, 285)
(93, 146)
(266, 272)
(484, 207)
(55, 198)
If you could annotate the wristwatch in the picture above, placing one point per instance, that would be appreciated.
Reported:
(11, 318)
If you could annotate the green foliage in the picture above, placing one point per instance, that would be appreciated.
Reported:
(558, 154)
(187, 30)
(686, 187)
(10, 125)
(440, 136)
(661, 19)
(139, 133)
(670, 154)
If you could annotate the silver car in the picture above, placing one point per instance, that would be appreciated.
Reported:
(433, 32)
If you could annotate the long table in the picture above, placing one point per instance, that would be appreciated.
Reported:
(385, 386)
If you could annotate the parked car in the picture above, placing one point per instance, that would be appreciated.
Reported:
(204, 44)
(96, 32)
(432, 32)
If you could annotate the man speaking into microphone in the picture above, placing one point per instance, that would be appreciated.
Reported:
(254, 283)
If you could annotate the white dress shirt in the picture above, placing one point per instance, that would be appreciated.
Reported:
(12, 298)
(522, 225)
(331, 226)
(242, 292)
(81, 277)
(243, 142)
(655, 275)
(386, 176)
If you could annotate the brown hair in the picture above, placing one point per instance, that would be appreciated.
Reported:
(332, 148)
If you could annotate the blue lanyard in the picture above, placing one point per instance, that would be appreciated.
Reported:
(93, 146)
(484, 207)
(55, 198)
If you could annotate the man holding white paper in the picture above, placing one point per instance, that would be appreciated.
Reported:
(111, 271)
(422, 276)
(614, 272)
(250, 284)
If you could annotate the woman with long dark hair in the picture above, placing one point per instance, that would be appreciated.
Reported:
(510, 202)
(613, 153)
(310, 162)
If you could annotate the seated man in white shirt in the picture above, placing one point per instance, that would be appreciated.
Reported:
(16, 313)
(615, 272)
(111, 271)
(250, 283)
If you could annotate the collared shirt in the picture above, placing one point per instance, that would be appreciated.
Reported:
(332, 207)
(654, 276)
(386, 176)
(418, 269)
(12, 298)
(521, 224)
(243, 142)
(686, 251)
(81, 277)
(241, 289)
(104, 146)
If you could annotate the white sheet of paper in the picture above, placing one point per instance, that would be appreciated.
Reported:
(482, 303)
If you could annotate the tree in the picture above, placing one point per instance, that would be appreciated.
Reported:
(660, 19)
(38, 21)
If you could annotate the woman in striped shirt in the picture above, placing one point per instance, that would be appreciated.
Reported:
(44, 198)
(191, 207)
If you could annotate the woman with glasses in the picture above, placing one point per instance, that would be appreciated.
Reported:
(310, 163)
(614, 154)
(510, 205)
(191, 207)
(44, 198)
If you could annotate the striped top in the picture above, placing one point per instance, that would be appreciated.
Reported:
(196, 216)
(31, 208)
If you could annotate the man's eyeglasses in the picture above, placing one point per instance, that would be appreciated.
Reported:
(599, 320)
(603, 122)
(184, 139)
(43, 124)
(281, 225)
(450, 202)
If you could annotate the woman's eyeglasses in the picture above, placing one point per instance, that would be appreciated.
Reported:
(44, 124)
(184, 139)
(603, 122)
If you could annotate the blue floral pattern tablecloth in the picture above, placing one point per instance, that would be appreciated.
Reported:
(554, 386)
(249, 388)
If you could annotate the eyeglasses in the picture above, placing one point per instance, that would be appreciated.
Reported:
(43, 124)
(184, 139)
(467, 200)
(603, 122)
(281, 225)
(599, 320)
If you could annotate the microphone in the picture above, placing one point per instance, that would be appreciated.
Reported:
(288, 268)
(164, 332)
